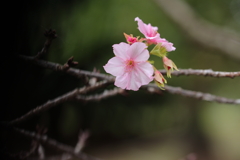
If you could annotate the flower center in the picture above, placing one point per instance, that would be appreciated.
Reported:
(129, 65)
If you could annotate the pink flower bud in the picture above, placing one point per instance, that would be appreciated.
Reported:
(130, 39)
(169, 66)
(159, 79)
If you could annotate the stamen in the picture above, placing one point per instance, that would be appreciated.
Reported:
(129, 65)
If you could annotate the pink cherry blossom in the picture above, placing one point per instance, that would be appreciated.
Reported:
(152, 35)
(150, 32)
(130, 65)
(168, 45)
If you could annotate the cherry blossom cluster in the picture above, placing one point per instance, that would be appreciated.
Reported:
(131, 64)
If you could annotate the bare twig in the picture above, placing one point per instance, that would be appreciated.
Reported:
(200, 30)
(50, 35)
(174, 90)
(53, 143)
(64, 156)
(202, 72)
(194, 94)
(52, 103)
(41, 152)
(58, 67)
(98, 97)
(83, 136)
(79, 73)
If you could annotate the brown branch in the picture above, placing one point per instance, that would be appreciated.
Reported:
(98, 97)
(200, 30)
(79, 73)
(202, 72)
(194, 94)
(64, 156)
(72, 71)
(83, 136)
(174, 90)
(52, 103)
(50, 35)
(53, 143)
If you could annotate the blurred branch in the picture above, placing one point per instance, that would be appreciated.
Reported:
(79, 73)
(98, 97)
(53, 143)
(195, 94)
(174, 90)
(52, 103)
(202, 72)
(72, 71)
(83, 136)
(200, 30)
(50, 35)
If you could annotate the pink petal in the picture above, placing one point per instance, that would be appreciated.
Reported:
(115, 66)
(133, 81)
(138, 52)
(120, 50)
(145, 72)
(141, 26)
(149, 31)
(169, 46)
(122, 81)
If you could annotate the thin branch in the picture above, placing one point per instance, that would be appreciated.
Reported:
(174, 90)
(98, 97)
(83, 136)
(72, 71)
(53, 143)
(195, 94)
(52, 103)
(79, 73)
(50, 35)
(64, 156)
(202, 72)
(200, 30)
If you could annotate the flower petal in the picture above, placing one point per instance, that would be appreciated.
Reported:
(138, 52)
(120, 50)
(141, 26)
(115, 66)
(149, 31)
(145, 72)
(169, 46)
(122, 81)
(134, 82)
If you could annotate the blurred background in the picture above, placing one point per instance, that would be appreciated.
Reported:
(136, 126)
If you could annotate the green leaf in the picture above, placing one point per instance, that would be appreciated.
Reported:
(159, 51)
